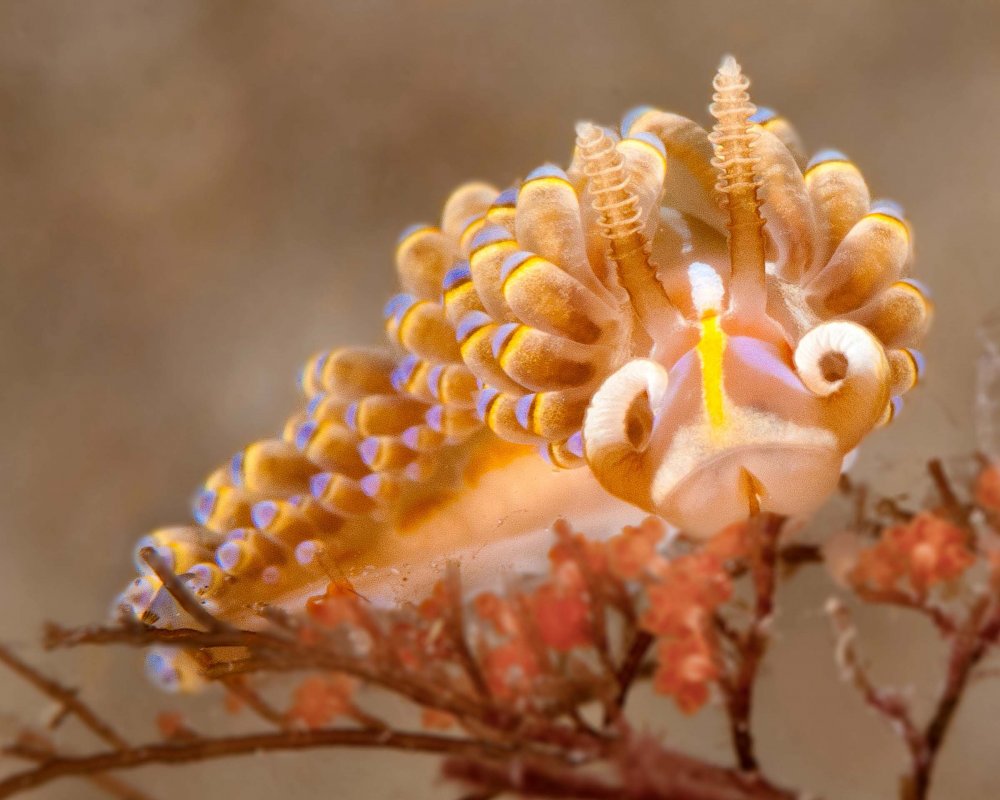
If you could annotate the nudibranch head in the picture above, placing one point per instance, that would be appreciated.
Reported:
(697, 324)
(780, 334)
(722, 320)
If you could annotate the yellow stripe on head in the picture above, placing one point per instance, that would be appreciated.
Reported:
(706, 295)
(711, 346)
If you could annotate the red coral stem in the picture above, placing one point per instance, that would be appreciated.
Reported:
(223, 747)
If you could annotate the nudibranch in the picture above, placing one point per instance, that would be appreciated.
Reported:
(698, 325)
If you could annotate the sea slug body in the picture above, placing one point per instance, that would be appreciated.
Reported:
(694, 324)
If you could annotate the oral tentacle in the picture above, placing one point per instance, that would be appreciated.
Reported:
(739, 183)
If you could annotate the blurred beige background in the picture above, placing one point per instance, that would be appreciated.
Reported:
(194, 196)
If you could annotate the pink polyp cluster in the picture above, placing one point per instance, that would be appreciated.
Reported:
(703, 323)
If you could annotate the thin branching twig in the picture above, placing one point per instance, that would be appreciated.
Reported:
(67, 699)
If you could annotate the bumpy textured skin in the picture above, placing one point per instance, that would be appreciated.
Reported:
(705, 321)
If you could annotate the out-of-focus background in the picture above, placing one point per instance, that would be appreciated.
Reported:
(195, 196)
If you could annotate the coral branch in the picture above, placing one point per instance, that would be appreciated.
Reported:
(924, 744)
(950, 504)
(896, 597)
(274, 654)
(657, 774)
(223, 747)
(888, 704)
(751, 646)
(455, 625)
(241, 689)
(968, 649)
(631, 664)
(179, 592)
(67, 698)
(916, 563)
(32, 746)
(519, 674)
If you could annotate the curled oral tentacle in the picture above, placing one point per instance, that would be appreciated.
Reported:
(617, 426)
(847, 366)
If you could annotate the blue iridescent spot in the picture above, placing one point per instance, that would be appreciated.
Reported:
(512, 262)
(888, 208)
(652, 141)
(370, 484)
(351, 416)
(306, 551)
(319, 483)
(545, 451)
(897, 405)
(489, 234)
(313, 404)
(920, 286)
(140, 594)
(403, 372)
(469, 324)
(507, 198)
(522, 410)
(763, 115)
(411, 436)
(468, 222)
(631, 117)
(575, 444)
(544, 171)
(398, 306)
(199, 578)
(409, 231)
(236, 469)
(315, 374)
(368, 450)
(484, 401)
(228, 555)
(320, 365)
(434, 416)
(823, 156)
(162, 550)
(304, 433)
(161, 671)
(434, 380)
(239, 534)
(501, 337)
(919, 361)
(457, 275)
(263, 513)
(204, 504)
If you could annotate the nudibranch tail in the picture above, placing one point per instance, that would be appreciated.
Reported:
(698, 325)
